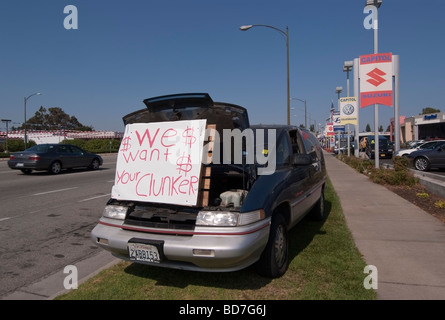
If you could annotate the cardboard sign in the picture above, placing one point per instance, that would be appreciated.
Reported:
(160, 162)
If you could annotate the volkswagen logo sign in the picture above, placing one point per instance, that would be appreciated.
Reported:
(348, 109)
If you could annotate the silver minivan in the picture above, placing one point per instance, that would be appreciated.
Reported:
(243, 212)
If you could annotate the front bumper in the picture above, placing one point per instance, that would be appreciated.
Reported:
(216, 249)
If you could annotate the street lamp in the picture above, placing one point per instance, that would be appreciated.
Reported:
(347, 67)
(338, 90)
(26, 99)
(376, 4)
(305, 110)
(286, 34)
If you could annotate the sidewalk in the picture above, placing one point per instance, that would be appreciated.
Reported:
(406, 244)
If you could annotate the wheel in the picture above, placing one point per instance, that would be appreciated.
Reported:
(95, 164)
(275, 257)
(26, 171)
(422, 164)
(55, 167)
(317, 212)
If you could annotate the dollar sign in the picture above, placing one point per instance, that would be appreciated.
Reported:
(189, 138)
(184, 164)
(126, 144)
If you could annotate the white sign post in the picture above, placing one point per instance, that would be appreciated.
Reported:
(160, 162)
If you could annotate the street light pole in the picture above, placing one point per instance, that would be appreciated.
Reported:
(376, 4)
(286, 34)
(347, 67)
(305, 110)
(338, 90)
(26, 99)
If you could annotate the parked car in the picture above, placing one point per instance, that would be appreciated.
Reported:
(53, 158)
(247, 215)
(418, 146)
(424, 160)
(385, 147)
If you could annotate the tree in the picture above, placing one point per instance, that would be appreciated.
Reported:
(55, 119)
(381, 128)
(368, 128)
(429, 110)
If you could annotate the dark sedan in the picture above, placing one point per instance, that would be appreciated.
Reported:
(425, 159)
(53, 158)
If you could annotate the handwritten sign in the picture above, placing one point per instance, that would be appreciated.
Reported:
(160, 162)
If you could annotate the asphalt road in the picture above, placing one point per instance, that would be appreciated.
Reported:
(46, 220)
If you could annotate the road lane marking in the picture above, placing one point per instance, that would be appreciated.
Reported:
(54, 191)
(4, 219)
(93, 198)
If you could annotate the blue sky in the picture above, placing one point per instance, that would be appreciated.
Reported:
(126, 51)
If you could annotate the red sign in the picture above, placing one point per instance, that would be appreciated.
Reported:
(330, 129)
(376, 79)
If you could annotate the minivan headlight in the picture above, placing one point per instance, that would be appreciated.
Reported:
(228, 218)
(217, 218)
(115, 212)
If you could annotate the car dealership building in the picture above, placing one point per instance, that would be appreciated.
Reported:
(422, 127)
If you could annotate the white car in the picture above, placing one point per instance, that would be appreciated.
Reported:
(419, 146)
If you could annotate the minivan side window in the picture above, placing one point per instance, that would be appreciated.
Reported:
(296, 141)
(283, 151)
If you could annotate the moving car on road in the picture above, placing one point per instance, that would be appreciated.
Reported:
(426, 159)
(53, 158)
(241, 218)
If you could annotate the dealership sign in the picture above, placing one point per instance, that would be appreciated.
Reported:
(348, 110)
(337, 122)
(376, 72)
(330, 129)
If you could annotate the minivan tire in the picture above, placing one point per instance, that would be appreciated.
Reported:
(274, 260)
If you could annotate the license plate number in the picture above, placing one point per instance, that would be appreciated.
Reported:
(19, 165)
(143, 252)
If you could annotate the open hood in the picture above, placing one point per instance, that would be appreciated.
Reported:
(191, 106)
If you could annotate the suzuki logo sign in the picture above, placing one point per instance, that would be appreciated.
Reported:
(376, 79)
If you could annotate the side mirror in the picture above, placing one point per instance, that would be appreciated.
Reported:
(300, 159)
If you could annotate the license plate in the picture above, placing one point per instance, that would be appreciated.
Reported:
(19, 165)
(383, 155)
(143, 252)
